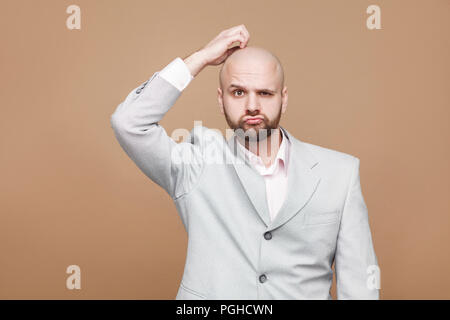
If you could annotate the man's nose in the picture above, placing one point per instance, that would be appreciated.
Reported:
(252, 102)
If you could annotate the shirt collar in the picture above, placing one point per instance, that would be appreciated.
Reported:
(282, 156)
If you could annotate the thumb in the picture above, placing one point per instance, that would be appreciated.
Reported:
(231, 50)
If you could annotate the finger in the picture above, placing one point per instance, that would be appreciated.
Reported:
(246, 40)
(233, 30)
(246, 37)
(237, 37)
(230, 29)
(231, 50)
(226, 54)
(247, 34)
(244, 29)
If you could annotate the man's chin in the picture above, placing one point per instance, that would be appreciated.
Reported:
(252, 128)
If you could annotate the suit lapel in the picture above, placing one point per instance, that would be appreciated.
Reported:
(252, 181)
(302, 182)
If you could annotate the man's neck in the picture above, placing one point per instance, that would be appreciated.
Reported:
(266, 149)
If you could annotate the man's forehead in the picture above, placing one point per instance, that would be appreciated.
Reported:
(256, 66)
(251, 82)
(251, 78)
(252, 65)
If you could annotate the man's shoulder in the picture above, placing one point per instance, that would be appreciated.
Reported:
(331, 157)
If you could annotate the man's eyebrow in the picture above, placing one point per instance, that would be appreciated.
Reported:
(233, 85)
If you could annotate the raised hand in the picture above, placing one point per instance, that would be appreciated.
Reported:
(218, 49)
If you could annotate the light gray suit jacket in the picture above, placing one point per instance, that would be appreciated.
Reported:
(234, 250)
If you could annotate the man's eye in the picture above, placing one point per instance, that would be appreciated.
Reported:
(240, 92)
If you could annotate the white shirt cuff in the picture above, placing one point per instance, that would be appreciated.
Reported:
(177, 74)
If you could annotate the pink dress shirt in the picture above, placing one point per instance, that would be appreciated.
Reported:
(275, 176)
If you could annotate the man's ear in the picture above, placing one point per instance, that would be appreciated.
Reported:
(284, 99)
(220, 99)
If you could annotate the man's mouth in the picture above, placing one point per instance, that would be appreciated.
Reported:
(254, 120)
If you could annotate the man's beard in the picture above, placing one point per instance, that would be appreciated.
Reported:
(254, 132)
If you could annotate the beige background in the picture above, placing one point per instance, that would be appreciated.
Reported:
(70, 195)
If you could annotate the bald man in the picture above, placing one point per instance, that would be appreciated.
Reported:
(267, 215)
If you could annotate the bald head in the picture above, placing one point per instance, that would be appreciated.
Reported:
(251, 61)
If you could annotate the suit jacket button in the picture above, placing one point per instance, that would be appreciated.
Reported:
(268, 235)
(262, 278)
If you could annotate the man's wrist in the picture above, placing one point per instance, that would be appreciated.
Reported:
(195, 62)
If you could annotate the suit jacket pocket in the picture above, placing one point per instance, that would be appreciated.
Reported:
(328, 217)
(185, 293)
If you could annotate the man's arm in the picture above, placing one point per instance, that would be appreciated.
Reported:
(135, 121)
(135, 125)
(355, 260)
